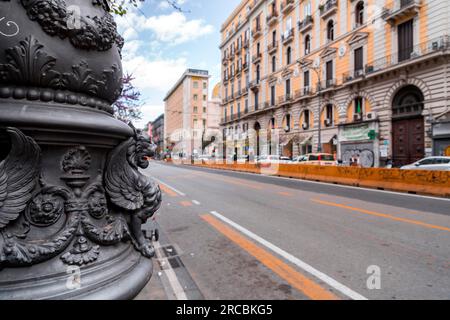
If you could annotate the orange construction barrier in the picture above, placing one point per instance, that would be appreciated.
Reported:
(412, 181)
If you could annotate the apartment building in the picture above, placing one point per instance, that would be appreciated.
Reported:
(366, 77)
(156, 132)
(188, 115)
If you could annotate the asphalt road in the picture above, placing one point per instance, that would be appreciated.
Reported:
(244, 236)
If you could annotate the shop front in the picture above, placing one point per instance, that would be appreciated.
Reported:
(359, 140)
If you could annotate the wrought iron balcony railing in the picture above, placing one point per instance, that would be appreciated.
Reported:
(305, 24)
(329, 7)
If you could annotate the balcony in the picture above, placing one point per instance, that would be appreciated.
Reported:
(288, 36)
(284, 99)
(326, 84)
(254, 85)
(245, 66)
(401, 10)
(257, 58)
(238, 69)
(303, 92)
(420, 52)
(328, 8)
(272, 18)
(256, 32)
(225, 60)
(271, 48)
(305, 24)
(246, 43)
(244, 90)
(286, 6)
(353, 75)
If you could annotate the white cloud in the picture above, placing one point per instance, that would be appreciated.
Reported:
(158, 74)
(173, 28)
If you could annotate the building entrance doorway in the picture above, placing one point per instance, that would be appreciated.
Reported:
(408, 128)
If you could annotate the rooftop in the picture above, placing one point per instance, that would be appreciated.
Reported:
(187, 73)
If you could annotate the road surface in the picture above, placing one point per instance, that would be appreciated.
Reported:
(244, 236)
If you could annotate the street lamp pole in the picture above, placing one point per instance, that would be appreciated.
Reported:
(319, 89)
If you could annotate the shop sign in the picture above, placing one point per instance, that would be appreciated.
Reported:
(356, 133)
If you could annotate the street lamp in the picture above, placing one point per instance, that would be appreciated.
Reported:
(319, 88)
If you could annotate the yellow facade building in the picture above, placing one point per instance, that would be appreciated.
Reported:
(366, 77)
(191, 118)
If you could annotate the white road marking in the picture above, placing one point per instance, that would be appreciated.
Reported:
(196, 202)
(170, 187)
(303, 265)
(171, 276)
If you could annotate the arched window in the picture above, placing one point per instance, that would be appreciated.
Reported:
(359, 13)
(330, 30)
(408, 101)
(307, 44)
(274, 64)
(288, 55)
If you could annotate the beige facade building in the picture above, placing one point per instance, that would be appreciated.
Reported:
(189, 115)
(366, 77)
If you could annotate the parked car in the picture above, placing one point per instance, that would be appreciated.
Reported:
(203, 158)
(323, 159)
(273, 159)
(430, 163)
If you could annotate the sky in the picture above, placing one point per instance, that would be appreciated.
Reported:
(161, 43)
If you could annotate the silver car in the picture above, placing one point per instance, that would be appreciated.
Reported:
(430, 163)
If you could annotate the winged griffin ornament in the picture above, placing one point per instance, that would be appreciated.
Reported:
(132, 191)
(18, 174)
(85, 212)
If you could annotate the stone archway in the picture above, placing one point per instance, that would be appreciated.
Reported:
(408, 126)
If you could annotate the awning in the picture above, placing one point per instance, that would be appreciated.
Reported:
(286, 139)
(306, 139)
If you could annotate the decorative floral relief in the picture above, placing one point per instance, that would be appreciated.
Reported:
(45, 209)
(29, 64)
(94, 33)
(76, 160)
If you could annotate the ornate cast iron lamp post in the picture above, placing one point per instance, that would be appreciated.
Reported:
(72, 198)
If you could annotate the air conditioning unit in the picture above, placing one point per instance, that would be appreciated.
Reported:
(357, 117)
(371, 115)
(359, 73)
(327, 122)
(305, 126)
